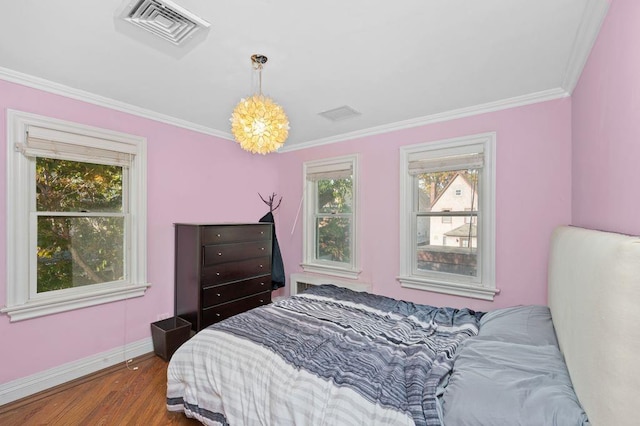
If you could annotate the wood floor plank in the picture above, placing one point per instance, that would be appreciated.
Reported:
(120, 397)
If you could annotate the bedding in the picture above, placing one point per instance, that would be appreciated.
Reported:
(512, 373)
(329, 356)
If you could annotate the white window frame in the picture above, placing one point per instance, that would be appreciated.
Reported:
(21, 303)
(310, 263)
(483, 286)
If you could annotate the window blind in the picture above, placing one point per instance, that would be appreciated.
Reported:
(50, 143)
(418, 165)
(329, 171)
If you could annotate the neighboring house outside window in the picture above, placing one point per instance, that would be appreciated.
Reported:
(77, 221)
(330, 212)
(449, 249)
(452, 227)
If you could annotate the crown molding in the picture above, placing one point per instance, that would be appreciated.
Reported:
(81, 95)
(543, 96)
(592, 19)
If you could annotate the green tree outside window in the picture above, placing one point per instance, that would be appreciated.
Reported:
(333, 219)
(81, 223)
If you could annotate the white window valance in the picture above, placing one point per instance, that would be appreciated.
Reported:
(50, 143)
(434, 164)
(329, 171)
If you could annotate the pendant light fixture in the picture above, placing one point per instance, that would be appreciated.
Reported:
(258, 124)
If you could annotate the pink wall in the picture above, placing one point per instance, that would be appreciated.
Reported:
(194, 177)
(533, 196)
(191, 177)
(606, 127)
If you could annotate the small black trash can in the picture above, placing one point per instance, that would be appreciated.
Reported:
(168, 334)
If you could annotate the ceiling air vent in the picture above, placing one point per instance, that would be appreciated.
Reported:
(165, 19)
(340, 113)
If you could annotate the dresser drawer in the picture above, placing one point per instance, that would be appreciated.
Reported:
(221, 234)
(220, 253)
(219, 312)
(234, 271)
(226, 292)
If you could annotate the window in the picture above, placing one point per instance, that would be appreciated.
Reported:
(446, 218)
(449, 249)
(329, 215)
(77, 216)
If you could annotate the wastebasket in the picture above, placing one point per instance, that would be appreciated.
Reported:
(168, 334)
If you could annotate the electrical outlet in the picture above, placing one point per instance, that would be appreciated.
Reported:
(164, 316)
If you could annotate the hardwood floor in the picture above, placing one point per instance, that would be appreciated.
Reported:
(117, 396)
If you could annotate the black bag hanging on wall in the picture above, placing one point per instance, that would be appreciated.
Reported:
(277, 267)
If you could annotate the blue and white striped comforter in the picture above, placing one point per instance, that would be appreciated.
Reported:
(329, 356)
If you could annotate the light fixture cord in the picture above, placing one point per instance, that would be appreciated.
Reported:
(260, 78)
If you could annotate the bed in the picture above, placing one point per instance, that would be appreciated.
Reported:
(332, 356)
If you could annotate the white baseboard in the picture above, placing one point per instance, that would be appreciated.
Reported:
(25, 386)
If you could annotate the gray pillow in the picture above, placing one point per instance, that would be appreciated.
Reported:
(499, 383)
(530, 325)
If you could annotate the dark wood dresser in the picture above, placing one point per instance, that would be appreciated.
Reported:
(221, 270)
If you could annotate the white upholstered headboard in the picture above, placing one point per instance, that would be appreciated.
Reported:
(594, 296)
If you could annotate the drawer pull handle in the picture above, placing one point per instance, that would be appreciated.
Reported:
(261, 232)
(219, 254)
(261, 301)
(262, 248)
(261, 283)
(261, 266)
(218, 273)
(218, 235)
(218, 294)
(217, 315)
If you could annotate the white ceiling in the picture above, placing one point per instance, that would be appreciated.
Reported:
(399, 63)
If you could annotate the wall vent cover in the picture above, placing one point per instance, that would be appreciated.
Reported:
(340, 113)
(165, 19)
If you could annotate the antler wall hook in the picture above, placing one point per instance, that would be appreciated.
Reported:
(270, 202)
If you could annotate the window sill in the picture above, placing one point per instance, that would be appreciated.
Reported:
(330, 270)
(455, 289)
(34, 309)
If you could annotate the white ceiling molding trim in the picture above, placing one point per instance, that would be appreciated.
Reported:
(81, 95)
(592, 19)
(543, 96)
